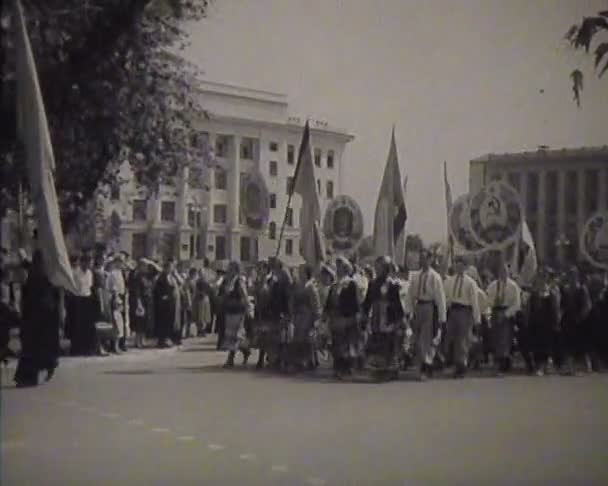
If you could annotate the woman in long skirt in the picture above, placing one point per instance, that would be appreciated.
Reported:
(139, 292)
(342, 308)
(234, 307)
(40, 326)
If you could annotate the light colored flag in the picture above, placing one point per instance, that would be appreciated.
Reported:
(34, 133)
(390, 216)
(311, 242)
(448, 207)
(528, 259)
(400, 246)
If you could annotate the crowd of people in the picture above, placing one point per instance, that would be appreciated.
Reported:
(374, 317)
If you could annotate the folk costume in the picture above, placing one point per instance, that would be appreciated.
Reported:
(305, 307)
(504, 296)
(575, 307)
(166, 294)
(542, 316)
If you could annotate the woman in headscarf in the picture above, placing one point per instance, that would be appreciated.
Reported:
(234, 305)
(383, 305)
(41, 321)
(305, 309)
(342, 308)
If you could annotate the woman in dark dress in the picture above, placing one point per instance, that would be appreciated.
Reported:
(166, 293)
(543, 322)
(40, 326)
(139, 291)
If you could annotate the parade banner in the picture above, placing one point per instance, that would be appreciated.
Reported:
(343, 223)
(496, 215)
(594, 240)
(255, 207)
(459, 225)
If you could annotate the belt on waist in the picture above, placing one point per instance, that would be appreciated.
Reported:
(456, 305)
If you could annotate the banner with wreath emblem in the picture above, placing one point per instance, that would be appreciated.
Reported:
(594, 240)
(496, 215)
(255, 206)
(343, 223)
(459, 224)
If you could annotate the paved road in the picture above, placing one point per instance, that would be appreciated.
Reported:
(175, 417)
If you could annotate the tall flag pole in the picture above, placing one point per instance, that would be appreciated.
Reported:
(400, 249)
(526, 251)
(33, 130)
(448, 208)
(390, 216)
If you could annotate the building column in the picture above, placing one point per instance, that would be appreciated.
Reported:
(561, 214)
(603, 193)
(234, 186)
(580, 208)
(542, 215)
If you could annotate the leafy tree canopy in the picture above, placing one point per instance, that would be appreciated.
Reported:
(113, 89)
(587, 36)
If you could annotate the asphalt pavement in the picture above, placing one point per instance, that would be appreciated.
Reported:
(173, 417)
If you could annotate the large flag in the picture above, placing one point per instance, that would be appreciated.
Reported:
(400, 245)
(390, 215)
(528, 263)
(311, 242)
(448, 208)
(33, 130)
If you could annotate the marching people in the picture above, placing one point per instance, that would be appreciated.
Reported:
(542, 317)
(342, 309)
(463, 315)
(428, 304)
(234, 305)
(504, 296)
(117, 288)
(165, 304)
(43, 313)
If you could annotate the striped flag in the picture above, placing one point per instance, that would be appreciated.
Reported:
(390, 216)
(32, 128)
(311, 242)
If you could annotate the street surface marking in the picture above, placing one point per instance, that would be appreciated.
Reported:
(136, 422)
(316, 481)
(280, 468)
(185, 438)
(216, 447)
(247, 457)
(160, 430)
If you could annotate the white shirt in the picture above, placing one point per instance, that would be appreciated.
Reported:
(362, 286)
(462, 289)
(427, 286)
(505, 294)
(116, 282)
(84, 281)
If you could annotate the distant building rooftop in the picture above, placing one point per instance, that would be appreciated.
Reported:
(544, 152)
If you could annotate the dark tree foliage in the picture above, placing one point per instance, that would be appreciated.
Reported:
(114, 90)
(586, 36)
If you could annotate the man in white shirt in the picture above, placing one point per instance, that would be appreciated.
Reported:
(83, 334)
(463, 304)
(504, 296)
(117, 289)
(426, 298)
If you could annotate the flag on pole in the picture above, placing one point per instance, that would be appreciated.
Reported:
(311, 243)
(448, 208)
(400, 246)
(32, 128)
(528, 263)
(390, 216)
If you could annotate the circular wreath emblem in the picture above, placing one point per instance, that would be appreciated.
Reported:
(594, 240)
(459, 224)
(343, 223)
(255, 207)
(496, 215)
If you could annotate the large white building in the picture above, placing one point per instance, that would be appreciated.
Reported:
(199, 217)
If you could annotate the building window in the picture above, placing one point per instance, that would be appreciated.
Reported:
(291, 154)
(194, 217)
(289, 217)
(318, 157)
(273, 146)
(139, 210)
(167, 211)
(273, 168)
(221, 182)
(532, 194)
(551, 192)
(289, 247)
(514, 180)
(289, 185)
(330, 189)
(138, 245)
(272, 230)
(115, 191)
(272, 201)
(495, 176)
(245, 249)
(247, 148)
(592, 189)
(220, 212)
(330, 159)
(221, 146)
(200, 247)
(220, 247)
(572, 190)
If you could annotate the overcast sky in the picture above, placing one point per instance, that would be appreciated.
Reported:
(458, 78)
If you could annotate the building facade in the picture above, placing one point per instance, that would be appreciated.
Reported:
(559, 190)
(199, 216)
